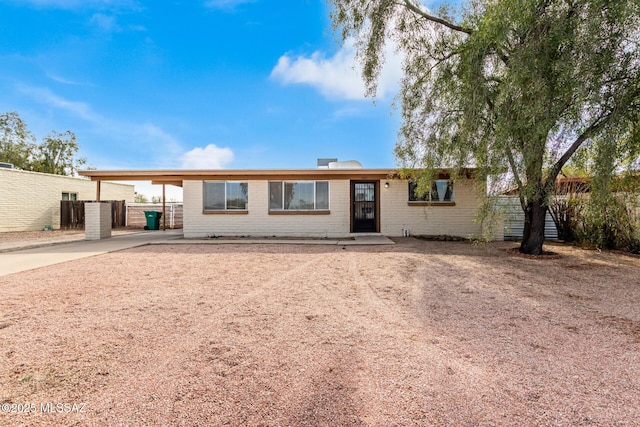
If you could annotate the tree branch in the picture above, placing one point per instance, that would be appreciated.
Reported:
(557, 167)
(435, 19)
(516, 177)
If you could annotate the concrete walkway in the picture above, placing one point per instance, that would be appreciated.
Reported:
(29, 259)
(49, 254)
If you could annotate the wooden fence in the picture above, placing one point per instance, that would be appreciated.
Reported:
(72, 213)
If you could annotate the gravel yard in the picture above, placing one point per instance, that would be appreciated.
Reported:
(418, 333)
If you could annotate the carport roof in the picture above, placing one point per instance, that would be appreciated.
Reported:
(176, 177)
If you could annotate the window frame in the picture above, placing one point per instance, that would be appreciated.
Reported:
(69, 196)
(315, 210)
(427, 199)
(226, 209)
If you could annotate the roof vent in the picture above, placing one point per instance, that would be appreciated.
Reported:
(324, 163)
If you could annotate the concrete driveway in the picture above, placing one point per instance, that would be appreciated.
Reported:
(28, 259)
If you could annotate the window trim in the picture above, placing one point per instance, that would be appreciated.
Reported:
(226, 210)
(315, 211)
(69, 199)
(430, 202)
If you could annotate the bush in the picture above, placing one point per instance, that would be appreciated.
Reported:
(566, 208)
(612, 223)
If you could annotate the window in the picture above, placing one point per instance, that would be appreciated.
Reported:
(441, 191)
(298, 196)
(70, 196)
(221, 195)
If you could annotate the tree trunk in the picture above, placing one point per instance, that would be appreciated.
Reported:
(533, 234)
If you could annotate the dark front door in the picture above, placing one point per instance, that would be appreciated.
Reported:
(363, 199)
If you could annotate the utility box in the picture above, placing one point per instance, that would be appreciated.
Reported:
(97, 220)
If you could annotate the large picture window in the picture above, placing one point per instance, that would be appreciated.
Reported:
(298, 196)
(221, 195)
(441, 191)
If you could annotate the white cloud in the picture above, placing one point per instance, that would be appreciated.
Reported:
(156, 136)
(65, 81)
(209, 157)
(165, 149)
(347, 112)
(337, 77)
(45, 96)
(105, 22)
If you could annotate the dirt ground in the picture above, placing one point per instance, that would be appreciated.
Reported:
(418, 333)
(13, 240)
(38, 236)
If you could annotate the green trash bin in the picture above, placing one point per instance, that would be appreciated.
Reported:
(153, 220)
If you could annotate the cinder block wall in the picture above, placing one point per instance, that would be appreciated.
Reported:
(258, 222)
(31, 200)
(97, 221)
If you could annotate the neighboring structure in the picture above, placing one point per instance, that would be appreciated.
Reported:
(330, 201)
(513, 215)
(514, 219)
(31, 200)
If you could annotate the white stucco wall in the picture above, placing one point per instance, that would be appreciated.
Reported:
(258, 222)
(31, 200)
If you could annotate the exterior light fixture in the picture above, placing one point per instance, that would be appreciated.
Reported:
(386, 185)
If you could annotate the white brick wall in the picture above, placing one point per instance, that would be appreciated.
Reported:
(258, 222)
(31, 201)
(457, 220)
(395, 214)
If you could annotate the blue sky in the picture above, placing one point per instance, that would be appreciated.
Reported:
(193, 84)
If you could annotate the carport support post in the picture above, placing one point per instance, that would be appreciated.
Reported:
(164, 209)
(98, 182)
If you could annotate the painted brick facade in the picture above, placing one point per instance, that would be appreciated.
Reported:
(395, 214)
(31, 200)
(258, 222)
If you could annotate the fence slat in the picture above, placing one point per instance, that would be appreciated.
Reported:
(72, 213)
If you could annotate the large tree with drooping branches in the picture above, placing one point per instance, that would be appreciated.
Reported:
(517, 85)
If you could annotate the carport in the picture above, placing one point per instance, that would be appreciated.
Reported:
(162, 178)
